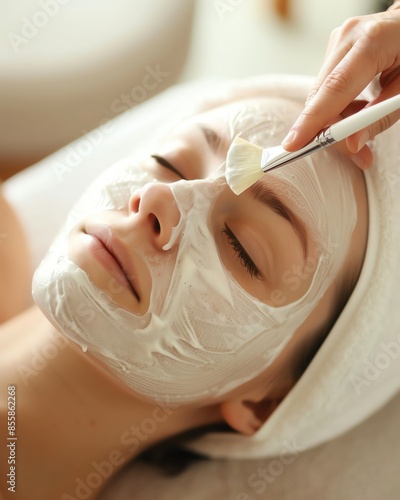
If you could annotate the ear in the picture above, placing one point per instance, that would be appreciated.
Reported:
(247, 413)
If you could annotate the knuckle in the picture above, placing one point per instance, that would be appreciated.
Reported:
(347, 30)
(374, 28)
(382, 125)
(338, 82)
(310, 113)
(335, 34)
(391, 77)
(370, 25)
(350, 24)
(343, 31)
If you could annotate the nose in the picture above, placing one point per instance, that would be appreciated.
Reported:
(156, 209)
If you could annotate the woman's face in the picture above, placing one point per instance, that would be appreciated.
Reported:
(185, 290)
(261, 240)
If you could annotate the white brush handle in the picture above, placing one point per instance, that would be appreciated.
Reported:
(363, 118)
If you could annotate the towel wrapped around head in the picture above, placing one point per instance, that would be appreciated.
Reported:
(357, 369)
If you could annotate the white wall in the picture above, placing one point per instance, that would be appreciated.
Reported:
(237, 38)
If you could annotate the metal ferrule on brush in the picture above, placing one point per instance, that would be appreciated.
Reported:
(276, 157)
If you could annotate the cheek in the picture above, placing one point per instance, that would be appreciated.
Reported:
(236, 269)
(273, 245)
(296, 277)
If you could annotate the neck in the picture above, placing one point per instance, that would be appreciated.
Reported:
(74, 420)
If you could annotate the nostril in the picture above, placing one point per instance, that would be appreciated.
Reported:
(135, 204)
(155, 223)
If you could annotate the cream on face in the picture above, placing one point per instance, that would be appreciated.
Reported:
(203, 334)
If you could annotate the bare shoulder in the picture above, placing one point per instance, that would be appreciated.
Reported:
(15, 269)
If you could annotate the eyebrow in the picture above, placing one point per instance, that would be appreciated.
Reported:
(213, 139)
(265, 195)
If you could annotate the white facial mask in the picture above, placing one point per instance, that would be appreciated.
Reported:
(203, 335)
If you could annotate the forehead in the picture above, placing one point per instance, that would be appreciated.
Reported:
(253, 118)
(206, 135)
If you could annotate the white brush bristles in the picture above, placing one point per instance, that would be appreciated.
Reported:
(243, 165)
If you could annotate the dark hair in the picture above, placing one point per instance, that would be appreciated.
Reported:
(311, 348)
(170, 455)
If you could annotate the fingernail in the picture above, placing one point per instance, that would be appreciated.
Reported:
(362, 141)
(289, 138)
(358, 161)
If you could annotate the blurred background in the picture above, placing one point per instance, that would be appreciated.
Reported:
(68, 66)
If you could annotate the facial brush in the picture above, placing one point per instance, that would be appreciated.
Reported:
(247, 162)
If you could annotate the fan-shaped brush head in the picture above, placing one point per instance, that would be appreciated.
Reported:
(243, 165)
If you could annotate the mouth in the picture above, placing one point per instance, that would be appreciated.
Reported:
(113, 256)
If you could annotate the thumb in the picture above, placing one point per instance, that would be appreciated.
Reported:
(358, 140)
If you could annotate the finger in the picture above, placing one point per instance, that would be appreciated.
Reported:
(315, 117)
(389, 77)
(339, 44)
(352, 74)
(353, 107)
(356, 141)
(363, 158)
(339, 89)
(378, 28)
(396, 5)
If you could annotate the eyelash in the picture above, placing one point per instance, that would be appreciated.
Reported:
(162, 161)
(241, 253)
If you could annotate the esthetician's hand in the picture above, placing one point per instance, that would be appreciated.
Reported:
(360, 49)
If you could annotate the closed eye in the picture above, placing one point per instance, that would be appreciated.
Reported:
(162, 161)
(241, 253)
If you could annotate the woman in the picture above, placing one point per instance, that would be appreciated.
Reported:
(168, 303)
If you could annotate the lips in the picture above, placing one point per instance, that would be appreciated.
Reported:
(114, 257)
